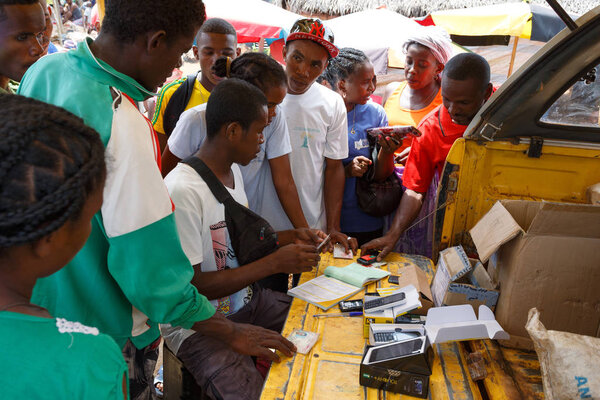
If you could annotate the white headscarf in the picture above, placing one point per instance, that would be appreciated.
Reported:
(435, 39)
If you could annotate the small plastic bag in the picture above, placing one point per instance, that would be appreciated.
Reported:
(570, 363)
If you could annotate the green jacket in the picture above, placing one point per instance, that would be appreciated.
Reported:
(132, 273)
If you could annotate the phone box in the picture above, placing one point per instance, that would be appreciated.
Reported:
(388, 316)
(413, 275)
(460, 280)
(547, 256)
(399, 367)
(454, 323)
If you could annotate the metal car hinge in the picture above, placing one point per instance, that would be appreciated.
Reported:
(488, 131)
(535, 147)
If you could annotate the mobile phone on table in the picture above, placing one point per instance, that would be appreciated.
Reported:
(351, 305)
(367, 259)
(394, 279)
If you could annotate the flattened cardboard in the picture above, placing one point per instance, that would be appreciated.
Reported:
(551, 265)
(413, 275)
(493, 230)
(454, 323)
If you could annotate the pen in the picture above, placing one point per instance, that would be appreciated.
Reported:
(344, 314)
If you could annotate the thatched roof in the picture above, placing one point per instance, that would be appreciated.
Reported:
(410, 8)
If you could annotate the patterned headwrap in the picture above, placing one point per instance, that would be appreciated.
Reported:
(435, 39)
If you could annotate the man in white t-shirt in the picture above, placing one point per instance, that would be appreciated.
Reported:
(190, 132)
(316, 119)
(236, 114)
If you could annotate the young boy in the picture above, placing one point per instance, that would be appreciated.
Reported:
(132, 273)
(22, 25)
(316, 119)
(465, 88)
(216, 38)
(236, 115)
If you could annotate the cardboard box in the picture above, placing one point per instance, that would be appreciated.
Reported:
(460, 280)
(413, 275)
(548, 257)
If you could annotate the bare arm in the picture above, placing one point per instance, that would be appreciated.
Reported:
(335, 178)
(245, 338)
(409, 208)
(286, 190)
(290, 259)
(168, 161)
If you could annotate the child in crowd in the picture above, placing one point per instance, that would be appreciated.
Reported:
(268, 178)
(236, 115)
(22, 27)
(316, 119)
(215, 38)
(51, 184)
(351, 74)
(132, 273)
(408, 102)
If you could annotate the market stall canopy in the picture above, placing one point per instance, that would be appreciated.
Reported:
(495, 24)
(374, 32)
(252, 19)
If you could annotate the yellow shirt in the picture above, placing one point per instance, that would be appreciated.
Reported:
(403, 116)
(199, 96)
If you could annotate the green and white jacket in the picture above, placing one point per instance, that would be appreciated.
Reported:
(132, 273)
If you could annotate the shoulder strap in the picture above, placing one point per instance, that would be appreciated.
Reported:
(177, 103)
(214, 184)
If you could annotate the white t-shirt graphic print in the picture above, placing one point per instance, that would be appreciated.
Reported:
(202, 229)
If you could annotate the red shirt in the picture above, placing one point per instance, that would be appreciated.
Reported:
(428, 152)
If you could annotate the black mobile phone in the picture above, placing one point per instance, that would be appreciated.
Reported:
(351, 305)
(394, 279)
(367, 259)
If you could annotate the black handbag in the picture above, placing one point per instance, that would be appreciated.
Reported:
(378, 198)
(252, 237)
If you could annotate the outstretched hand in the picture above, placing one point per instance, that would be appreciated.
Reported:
(256, 341)
(345, 240)
(385, 244)
(309, 236)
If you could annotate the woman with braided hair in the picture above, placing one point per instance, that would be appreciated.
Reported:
(268, 179)
(51, 182)
(351, 74)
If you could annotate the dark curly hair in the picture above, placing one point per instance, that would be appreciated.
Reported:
(347, 61)
(50, 162)
(256, 68)
(12, 3)
(233, 100)
(127, 19)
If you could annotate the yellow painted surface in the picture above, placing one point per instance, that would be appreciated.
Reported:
(492, 171)
(331, 369)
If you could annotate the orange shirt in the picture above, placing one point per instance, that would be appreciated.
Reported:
(403, 116)
(428, 152)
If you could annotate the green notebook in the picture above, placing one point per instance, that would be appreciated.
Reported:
(356, 274)
(336, 284)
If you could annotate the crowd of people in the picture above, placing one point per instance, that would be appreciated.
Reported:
(106, 246)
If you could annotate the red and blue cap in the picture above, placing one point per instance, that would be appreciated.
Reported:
(313, 29)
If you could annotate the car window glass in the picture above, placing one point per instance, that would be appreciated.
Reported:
(579, 105)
